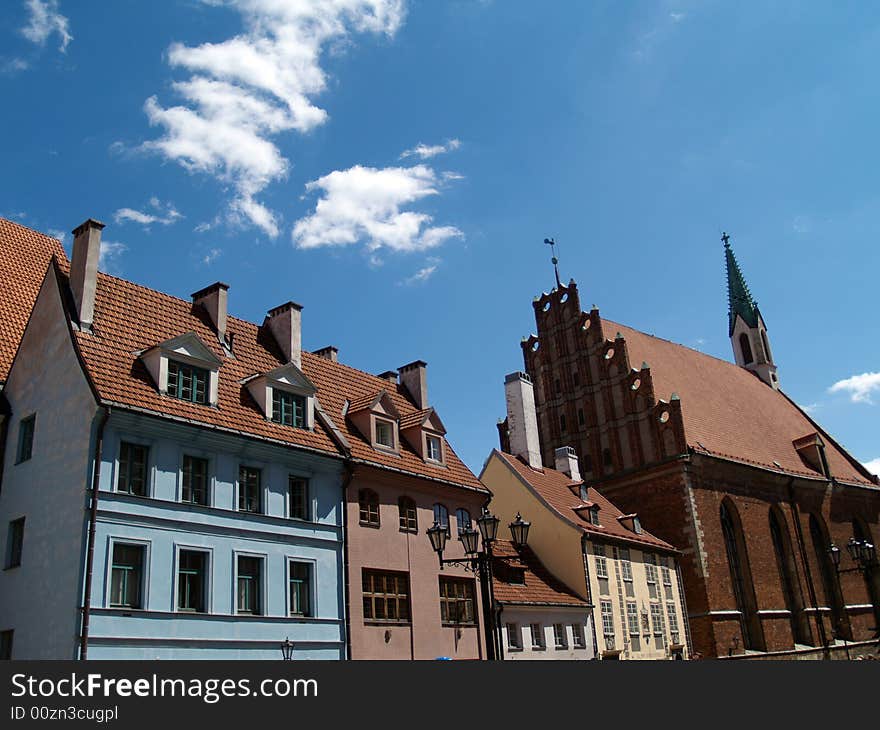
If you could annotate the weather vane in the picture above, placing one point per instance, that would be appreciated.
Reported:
(552, 243)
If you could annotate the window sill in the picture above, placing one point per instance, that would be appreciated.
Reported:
(447, 625)
(410, 530)
(370, 524)
(385, 622)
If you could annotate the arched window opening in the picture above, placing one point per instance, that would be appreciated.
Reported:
(833, 597)
(462, 520)
(441, 516)
(767, 354)
(741, 577)
(788, 576)
(746, 349)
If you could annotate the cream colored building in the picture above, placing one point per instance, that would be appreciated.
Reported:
(629, 578)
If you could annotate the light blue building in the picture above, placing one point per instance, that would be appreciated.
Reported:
(171, 486)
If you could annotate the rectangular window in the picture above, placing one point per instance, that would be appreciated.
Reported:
(250, 585)
(514, 637)
(607, 618)
(126, 580)
(559, 637)
(288, 409)
(577, 633)
(409, 521)
(384, 434)
(625, 565)
(14, 543)
(26, 438)
(386, 596)
(537, 633)
(249, 490)
(632, 618)
(6, 644)
(601, 562)
(132, 477)
(672, 617)
(298, 493)
(457, 601)
(192, 583)
(195, 480)
(187, 382)
(657, 618)
(434, 448)
(650, 568)
(667, 577)
(300, 582)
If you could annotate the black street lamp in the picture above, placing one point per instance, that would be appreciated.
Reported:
(480, 563)
(287, 649)
(834, 553)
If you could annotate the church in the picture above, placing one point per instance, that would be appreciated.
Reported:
(775, 521)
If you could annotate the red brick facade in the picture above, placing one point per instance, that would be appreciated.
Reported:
(648, 455)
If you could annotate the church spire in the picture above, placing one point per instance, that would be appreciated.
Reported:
(739, 297)
(746, 328)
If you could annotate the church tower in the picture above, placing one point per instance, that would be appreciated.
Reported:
(747, 331)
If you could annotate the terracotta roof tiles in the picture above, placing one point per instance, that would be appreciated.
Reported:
(520, 578)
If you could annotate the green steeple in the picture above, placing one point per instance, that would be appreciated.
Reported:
(739, 297)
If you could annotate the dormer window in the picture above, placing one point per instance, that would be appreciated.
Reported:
(284, 395)
(187, 382)
(185, 368)
(594, 515)
(583, 491)
(288, 409)
(384, 433)
(631, 522)
(423, 430)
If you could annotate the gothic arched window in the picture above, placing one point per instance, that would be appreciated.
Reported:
(821, 543)
(746, 349)
(741, 576)
(788, 576)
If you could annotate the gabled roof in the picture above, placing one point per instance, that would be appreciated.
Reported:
(369, 403)
(188, 344)
(539, 587)
(287, 374)
(130, 318)
(729, 412)
(561, 494)
(24, 257)
(420, 418)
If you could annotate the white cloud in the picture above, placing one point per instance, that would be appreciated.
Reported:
(247, 89)
(57, 233)
(111, 253)
(363, 204)
(811, 408)
(423, 274)
(165, 214)
(44, 19)
(211, 256)
(11, 66)
(425, 152)
(873, 466)
(859, 387)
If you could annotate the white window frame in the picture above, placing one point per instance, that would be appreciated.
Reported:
(209, 578)
(633, 622)
(542, 640)
(607, 617)
(264, 575)
(601, 561)
(578, 637)
(143, 542)
(429, 437)
(313, 586)
(625, 564)
(657, 619)
(557, 644)
(392, 428)
(512, 630)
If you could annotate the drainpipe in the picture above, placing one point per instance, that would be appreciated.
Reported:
(90, 554)
(346, 588)
(811, 589)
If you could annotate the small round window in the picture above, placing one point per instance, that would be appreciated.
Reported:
(664, 417)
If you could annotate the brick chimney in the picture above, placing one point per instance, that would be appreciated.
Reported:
(285, 324)
(330, 353)
(414, 377)
(213, 299)
(84, 269)
(567, 463)
(522, 420)
(389, 375)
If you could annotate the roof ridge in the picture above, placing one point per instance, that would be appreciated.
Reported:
(33, 230)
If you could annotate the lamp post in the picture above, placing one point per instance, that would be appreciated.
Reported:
(287, 649)
(480, 563)
(864, 554)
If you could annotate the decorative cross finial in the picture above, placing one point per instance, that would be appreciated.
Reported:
(726, 239)
(552, 243)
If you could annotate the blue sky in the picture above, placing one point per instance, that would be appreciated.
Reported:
(395, 166)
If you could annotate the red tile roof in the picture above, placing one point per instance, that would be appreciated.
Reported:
(538, 587)
(728, 411)
(561, 494)
(130, 318)
(24, 257)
